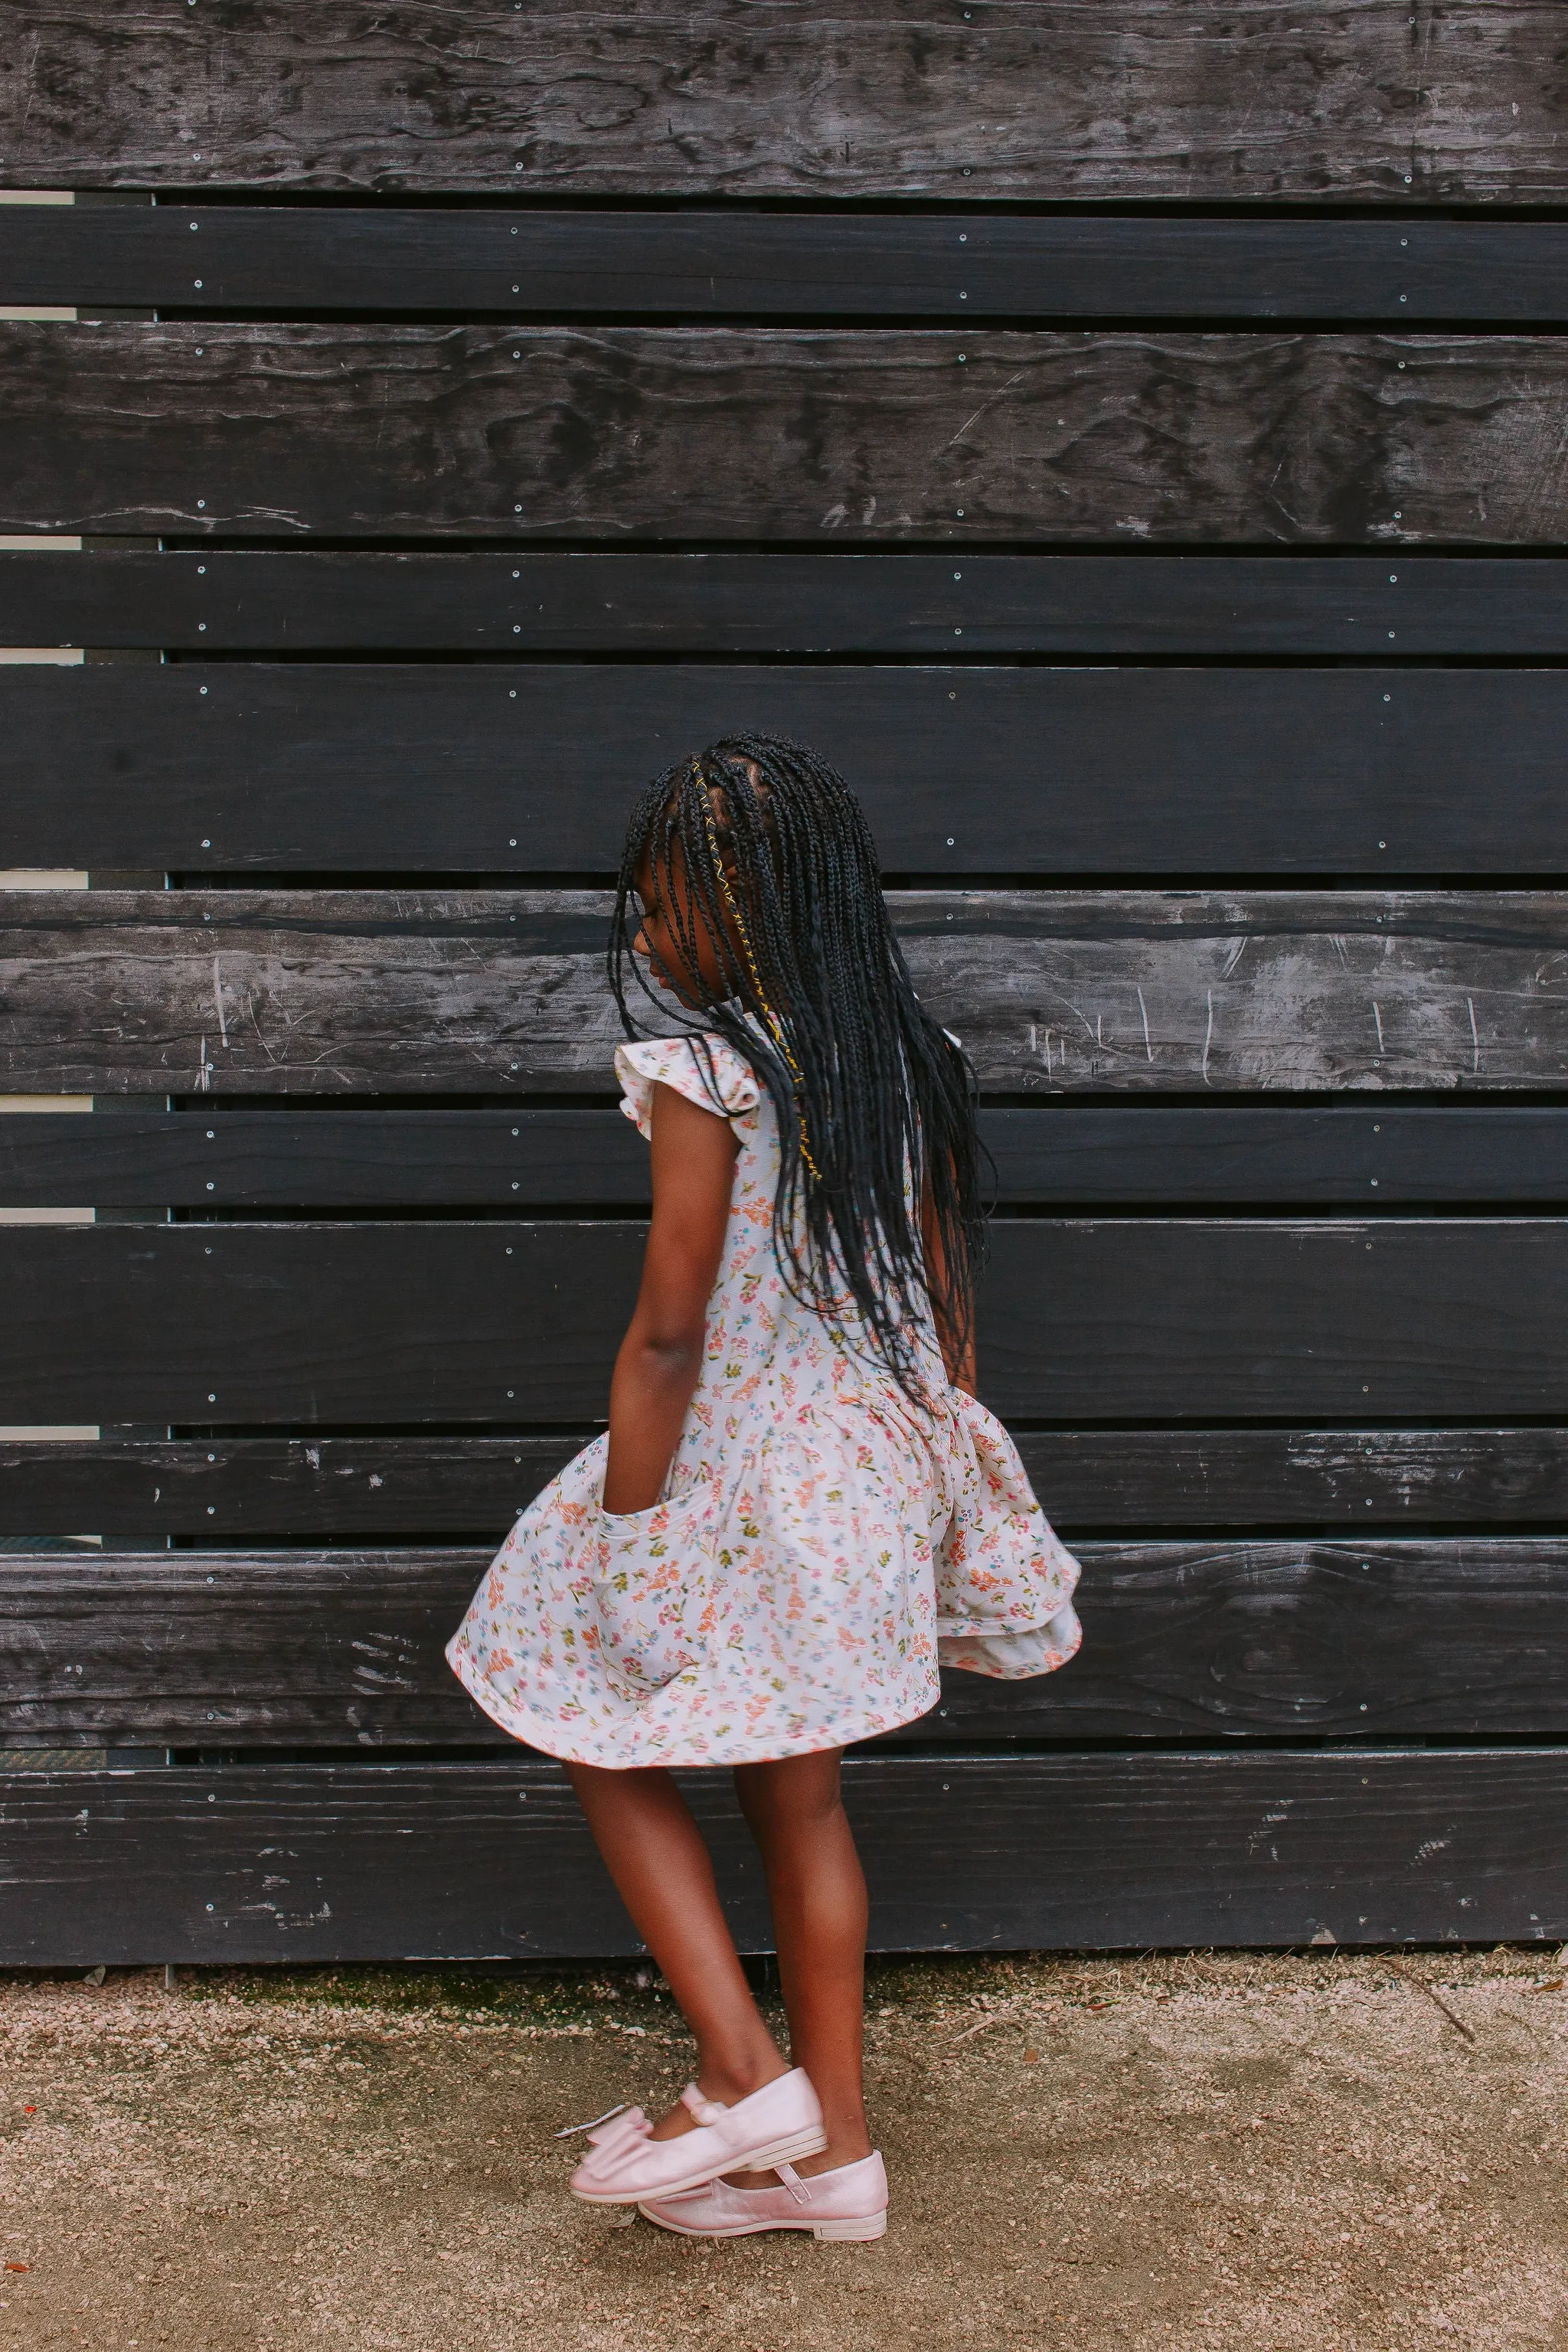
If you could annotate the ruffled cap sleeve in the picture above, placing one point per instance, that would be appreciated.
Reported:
(681, 1063)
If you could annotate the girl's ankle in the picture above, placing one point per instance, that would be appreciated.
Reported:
(835, 2155)
(730, 2084)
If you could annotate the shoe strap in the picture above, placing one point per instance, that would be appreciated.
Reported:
(706, 2111)
(794, 2183)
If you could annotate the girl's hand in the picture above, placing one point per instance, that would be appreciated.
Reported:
(661, 1358)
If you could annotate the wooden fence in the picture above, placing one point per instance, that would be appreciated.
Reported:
(1131, 444)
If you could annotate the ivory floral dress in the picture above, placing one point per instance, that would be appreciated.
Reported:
(820, 1547)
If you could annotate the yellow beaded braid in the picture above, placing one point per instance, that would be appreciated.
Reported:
(775, 1026)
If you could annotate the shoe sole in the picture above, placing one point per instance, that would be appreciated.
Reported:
(762, 2159)
(858, 2229)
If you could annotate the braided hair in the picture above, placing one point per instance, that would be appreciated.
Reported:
(875, 1100)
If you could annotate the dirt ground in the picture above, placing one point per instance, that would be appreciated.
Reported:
(1170, 2153)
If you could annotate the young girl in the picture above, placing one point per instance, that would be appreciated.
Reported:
(799, 1506)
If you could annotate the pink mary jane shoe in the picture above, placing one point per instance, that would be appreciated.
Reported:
(849, 2202)
(775, 2124)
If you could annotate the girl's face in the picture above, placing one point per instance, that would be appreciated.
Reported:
(671, 915)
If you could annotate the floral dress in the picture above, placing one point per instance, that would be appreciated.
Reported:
(820, 1547)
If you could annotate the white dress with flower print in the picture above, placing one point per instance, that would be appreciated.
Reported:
(821, 1547)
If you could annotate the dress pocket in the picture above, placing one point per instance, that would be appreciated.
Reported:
(651, 1592)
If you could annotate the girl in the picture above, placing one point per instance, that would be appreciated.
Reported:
(799, 1506)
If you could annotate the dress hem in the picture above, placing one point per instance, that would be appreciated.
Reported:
(508, 1715)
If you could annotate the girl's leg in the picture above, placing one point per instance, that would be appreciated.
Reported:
(655, 1854)
(817, 1892)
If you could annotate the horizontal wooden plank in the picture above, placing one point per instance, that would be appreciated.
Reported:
(377, 767)
(493, 1322)
(1090, 1155)
(363, 1861)
(1166, 1320)
(713, 265)
(691, 434)
(1132, 99)
(261, 600)
(326, 1158)
(298, 992)
(1070, 1154)
(441, 1483)
(421, 1483)
(1380, 1639)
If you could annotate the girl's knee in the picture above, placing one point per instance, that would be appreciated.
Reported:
(791, 1790)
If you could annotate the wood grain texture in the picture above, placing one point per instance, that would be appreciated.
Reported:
(1216, 1639)
(354, 1861)
(374, 767)
(423, 1484)
(1163, 1320)
(712, 264)
(322, 992)
(1137, 98)
(621, 434)
(259, 600)
(1078, 1155)
(436, 1484)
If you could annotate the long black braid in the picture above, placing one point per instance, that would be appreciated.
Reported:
(874, 1099)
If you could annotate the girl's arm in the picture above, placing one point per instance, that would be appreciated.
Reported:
(657, 1370)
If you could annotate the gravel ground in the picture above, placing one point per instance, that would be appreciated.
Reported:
(1342, 2154)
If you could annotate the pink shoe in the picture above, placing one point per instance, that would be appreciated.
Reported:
(781, 2121)
(849, 2202)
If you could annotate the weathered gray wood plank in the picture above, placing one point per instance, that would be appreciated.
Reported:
(528, 768)
(259, 600)
(621, 432)
(439, 1484)
(1138, 98)
(515, 1323)
(330, 993)
(1378, 1640)
(710, 264)
(465, 1861)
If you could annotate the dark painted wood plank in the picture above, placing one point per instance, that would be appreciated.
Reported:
(264, 601)
(200, 257)
(285, 992)
(1181, 1320)
(1074, 1154)
(1380, 1639)
(1379, 1156)
(424, 1484)
(373, 767)
(1384, 1640)
(219, 1323)
(1135, 99)
(444, 1485)
(369, 1159)
(303, 1862)
(1115, 1319)
(627, 432)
